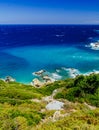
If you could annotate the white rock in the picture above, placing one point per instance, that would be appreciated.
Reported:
(90, 107)
(56, 115)
(39, 72)
(55, 105)
(9, 79)
(37, 83)
(47, 99)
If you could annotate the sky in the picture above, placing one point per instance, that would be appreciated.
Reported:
(49, 11)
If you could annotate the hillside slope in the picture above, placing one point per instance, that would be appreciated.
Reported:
(24, 106)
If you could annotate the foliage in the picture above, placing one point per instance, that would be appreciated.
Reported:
(82, 88)
(79, 120)
(19, 110)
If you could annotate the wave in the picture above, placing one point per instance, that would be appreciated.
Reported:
(59, 35)
(72, 72)
(56, 76)
(58, 70)
(75, 72)
(91, 72)
(93, 45)
(97, 31)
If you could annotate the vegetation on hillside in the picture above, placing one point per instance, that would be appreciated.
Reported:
(19, 110)
(82, 89)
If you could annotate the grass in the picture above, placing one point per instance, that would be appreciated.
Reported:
(19, 111)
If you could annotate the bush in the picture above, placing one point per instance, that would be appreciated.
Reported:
(82, 88)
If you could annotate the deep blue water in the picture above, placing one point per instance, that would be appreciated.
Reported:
(25, 49)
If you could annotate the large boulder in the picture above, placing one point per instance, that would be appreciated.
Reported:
(55, 105)
(36, 83)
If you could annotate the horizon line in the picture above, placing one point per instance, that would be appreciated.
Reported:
(45, 24)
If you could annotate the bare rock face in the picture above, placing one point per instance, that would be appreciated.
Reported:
(56, 116)
(43, 76)
(90, 107)
(39, 73)
(36, 83)
(55, 105)
(9, 79)
(47, 99)
(46, 78)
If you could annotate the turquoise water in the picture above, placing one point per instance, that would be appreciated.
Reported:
(21, 62)
(25, 49)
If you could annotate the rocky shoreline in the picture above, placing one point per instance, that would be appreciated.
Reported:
(43, 77)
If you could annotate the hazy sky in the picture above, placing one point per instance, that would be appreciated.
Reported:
(49, 11)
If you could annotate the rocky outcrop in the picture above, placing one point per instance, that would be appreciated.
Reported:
(9, 79)
(39, 73)
(36, 83)
(43, 76)
(46, 78)
(57, 115)
(55, 105)
(90, 107)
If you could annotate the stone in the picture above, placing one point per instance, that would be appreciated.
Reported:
(55, 105)
(37, 83)
(39, 73)
(56, 116)
(9, 79)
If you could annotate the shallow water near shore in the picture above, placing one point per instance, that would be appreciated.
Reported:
(22, 60)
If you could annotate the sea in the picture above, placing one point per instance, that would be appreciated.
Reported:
(58, 49)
